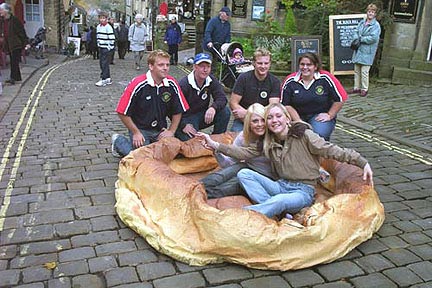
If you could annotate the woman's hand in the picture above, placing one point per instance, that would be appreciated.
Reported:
(206, 141)
(368, 174)
(323, 117)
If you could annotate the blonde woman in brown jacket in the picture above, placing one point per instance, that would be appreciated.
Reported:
(294, 151)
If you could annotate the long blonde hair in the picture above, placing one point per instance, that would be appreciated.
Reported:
(269, 136)
(257, 109)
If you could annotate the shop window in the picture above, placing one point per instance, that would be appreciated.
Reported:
(32, 9)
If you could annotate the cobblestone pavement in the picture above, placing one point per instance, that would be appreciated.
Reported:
(57, 180)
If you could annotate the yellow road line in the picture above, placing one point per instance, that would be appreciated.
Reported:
(15, 132)
(16, 164)
(387, 145)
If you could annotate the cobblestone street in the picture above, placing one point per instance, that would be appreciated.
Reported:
(58, 223)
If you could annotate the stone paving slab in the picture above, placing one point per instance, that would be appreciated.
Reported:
(91, 247)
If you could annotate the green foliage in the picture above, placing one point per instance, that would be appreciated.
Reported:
(70, 48)
(278, 45)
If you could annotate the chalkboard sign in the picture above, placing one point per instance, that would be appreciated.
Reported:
(404, 10)
(239, 8)
(304, 44)
(342, 28)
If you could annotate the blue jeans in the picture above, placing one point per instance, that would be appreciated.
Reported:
(275, 197)
(123, 145)
(220, 123)
(104, 62)
(237, 126)
(324, 129)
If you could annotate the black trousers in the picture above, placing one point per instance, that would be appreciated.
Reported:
(122, 47)
(173, 51)
(224, 182)
(15, 73)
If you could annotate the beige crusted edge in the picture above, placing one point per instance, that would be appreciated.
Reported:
(180, 223)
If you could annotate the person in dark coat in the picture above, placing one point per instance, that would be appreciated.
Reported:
(122, 39)
(92, 43)
(173, 38)
(15, 40)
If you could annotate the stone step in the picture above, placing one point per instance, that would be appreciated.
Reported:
(411, 76)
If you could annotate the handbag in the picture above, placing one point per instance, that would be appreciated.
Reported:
(355, 44)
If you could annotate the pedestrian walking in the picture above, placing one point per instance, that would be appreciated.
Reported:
(173, 38)
(138, 36)
(111, 21)
(15, 40)
(92, 43)
(368, 34)
(122, 39)
(217, 32)
(105, 41)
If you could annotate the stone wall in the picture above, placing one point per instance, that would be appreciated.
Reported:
(406, 44)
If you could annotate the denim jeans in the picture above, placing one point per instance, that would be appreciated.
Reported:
(224, 182)
(324, 129)
(237, 126)
(123, 145)
(275, 197)
(104, 62)
(220, 123)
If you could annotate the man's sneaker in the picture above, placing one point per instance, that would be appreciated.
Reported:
(100, 83)
(108, 81)
(137, 68)
(113, 150)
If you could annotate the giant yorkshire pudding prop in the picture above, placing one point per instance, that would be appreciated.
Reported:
(172, 213)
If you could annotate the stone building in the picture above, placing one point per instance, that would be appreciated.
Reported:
(406, 55)
(35, 14)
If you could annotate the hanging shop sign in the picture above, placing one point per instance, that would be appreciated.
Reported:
(239, 8)
(404, 10)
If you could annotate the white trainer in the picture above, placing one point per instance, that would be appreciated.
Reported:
(100, 83)
(108, 81)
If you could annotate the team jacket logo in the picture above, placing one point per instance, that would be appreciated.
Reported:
(319, 90)
(205, 94)
(166, 97)
(263, 94)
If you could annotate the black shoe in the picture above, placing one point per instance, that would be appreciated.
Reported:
(10, 81)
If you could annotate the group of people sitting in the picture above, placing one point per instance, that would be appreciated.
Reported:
(284, 129)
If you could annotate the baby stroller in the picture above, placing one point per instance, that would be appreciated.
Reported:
(230, 71)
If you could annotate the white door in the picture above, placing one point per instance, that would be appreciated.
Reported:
(33, 13)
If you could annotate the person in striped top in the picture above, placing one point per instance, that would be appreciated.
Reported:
(105, 41)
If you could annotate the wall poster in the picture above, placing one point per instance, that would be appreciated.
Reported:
(258, 10)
